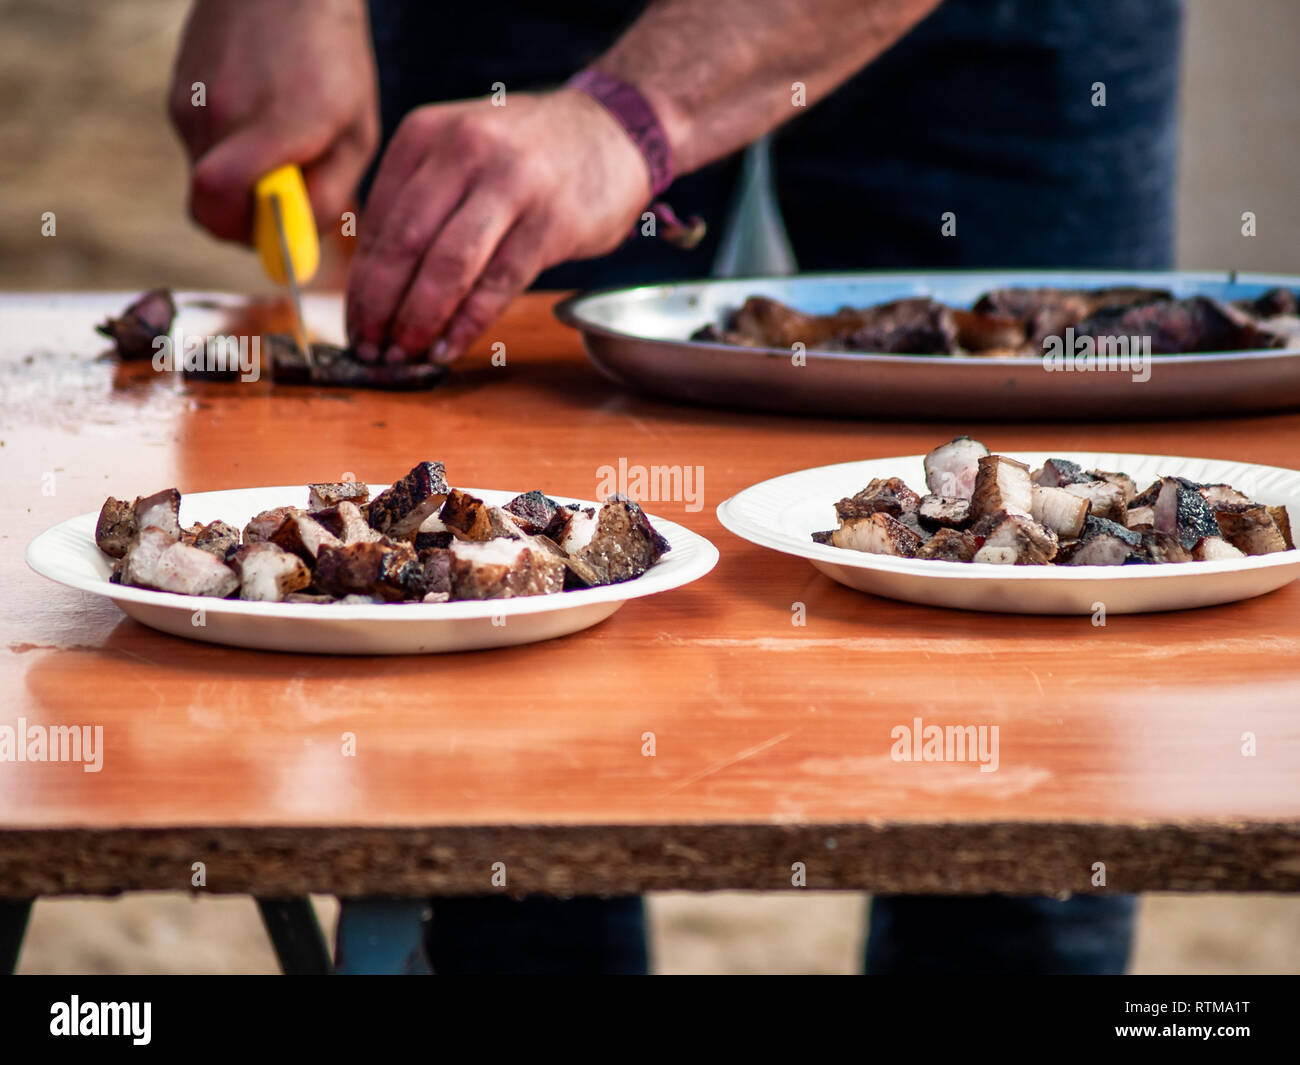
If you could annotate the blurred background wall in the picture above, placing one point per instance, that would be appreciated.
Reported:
(83, 133)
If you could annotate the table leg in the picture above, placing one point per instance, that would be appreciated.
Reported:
(296, 935)
(13, 925)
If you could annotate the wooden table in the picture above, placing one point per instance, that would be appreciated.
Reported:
(1120, 745)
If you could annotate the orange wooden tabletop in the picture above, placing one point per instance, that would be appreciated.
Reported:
(1120, 745)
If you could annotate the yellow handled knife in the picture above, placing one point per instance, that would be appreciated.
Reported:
(284, 233)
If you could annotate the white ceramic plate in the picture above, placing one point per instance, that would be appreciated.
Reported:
(67, 554)
(783, 513)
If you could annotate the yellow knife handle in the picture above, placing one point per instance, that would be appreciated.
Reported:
(287, 185)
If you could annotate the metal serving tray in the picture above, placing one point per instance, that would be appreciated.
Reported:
(640, 337)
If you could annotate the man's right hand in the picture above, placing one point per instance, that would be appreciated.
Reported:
(284, 81)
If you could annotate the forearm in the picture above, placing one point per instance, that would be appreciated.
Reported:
(721, 73)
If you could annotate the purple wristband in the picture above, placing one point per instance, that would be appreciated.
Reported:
(637, 117)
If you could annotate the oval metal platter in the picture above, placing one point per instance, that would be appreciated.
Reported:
(640, 337)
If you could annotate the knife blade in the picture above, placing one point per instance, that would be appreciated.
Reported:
(295, 296)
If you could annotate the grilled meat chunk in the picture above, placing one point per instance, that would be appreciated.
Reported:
(951, 545)
(217, 538)
(399, 511)
(1215, 549)
(616, 544)
(1162, 547)
(877, 534)
(1001, 485)
(157, 561)
(1140, 518)
(1182, 511)
(533, 512)
(267, 573)
(1283, 522)
(1122, 481)
(430, 579)
(825, 536)
(382, 569)
(503, 569)
(1190, 325)
(336, 367)
(332, 493)
(1218, 494)
(882, 496)
(162, 510)
(140, 563)
(116, 526)
(1057, 473)
(141, 324)
(1014, 538)
(1105, 543)
(264, 525)
(914, 326)
(1249, 527)
(951, 468)
(345, 520)
(468, 518)
(1106, 499)
(1271, 304)
(942, 512)
(1061, 511)
(304, 536)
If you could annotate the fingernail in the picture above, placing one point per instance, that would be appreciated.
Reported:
(441, 352)
(367, 352)
(394, 355)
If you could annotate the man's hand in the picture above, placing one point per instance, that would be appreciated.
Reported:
(285, 81)
(471, 203)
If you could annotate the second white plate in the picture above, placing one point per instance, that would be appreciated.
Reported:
(782, 513)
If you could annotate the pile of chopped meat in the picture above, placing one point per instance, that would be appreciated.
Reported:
(1015, 321)
(417, 541)
(991, 508)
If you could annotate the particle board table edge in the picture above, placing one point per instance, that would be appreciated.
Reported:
(943, 858)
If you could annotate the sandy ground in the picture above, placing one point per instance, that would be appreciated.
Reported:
(84, 135)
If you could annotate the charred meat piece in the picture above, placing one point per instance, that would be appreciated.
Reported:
(469, 518)
(503, 569)
(345, 520)
(1271, 304)
(942, 512)
(1106, 499)
(882, 496)
(1182, 512)
(877, 534)
(303, 536)
(951, 468)
(1057, 473)
(1215, 549)
(1140, 518)
(1283, 522)
(335, 367)
(533, 512)
(825, 536)
(383, 570)
(951, 545)
(429, 580)
(1148, 496)
(162, 510)
(1061, 511)
(916, 326)
(1002, 485)
(217, 538)
(332, 493)
(140, 563)
(141, 324)
(1105, 543)
(988, 332)
(1190, 325)
(1121, 480)
(116, 526)
(1161, 547)
(268, 573)
(1249, 527)
(1014, 538)
(619, 543)
(264, 525)
(1218, 494)
(399, 511)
